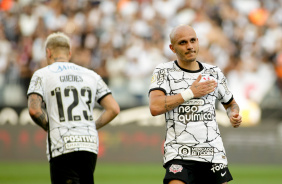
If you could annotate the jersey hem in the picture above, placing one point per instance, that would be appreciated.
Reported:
(99, 100)
(193, 160)
(228, 101)
(34, 93)
(153, 89)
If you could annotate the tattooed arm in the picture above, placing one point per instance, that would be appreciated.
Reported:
(111, 110)
(233, 110)
(37, 113)
(160, 103)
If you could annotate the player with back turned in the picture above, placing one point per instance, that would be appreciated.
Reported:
(185, 90)
(69, 92)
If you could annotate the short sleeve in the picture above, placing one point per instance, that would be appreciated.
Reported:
(102, 90)
(225, 95)
(159, 79)
(36, 84)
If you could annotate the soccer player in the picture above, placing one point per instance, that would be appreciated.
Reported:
(69, 93)
(186, 91)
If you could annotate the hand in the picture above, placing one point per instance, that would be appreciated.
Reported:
(235, 120)
(200, 89)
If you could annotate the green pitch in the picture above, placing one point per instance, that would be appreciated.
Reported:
(38, 173)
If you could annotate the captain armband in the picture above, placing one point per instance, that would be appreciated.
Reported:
(187, 94)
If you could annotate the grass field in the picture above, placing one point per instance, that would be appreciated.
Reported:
(38, 173)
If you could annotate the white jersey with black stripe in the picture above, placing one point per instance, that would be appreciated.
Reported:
(192, 132)
(70, 92)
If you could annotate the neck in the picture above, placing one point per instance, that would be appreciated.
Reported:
(189, 65)
(60, 59)
(57, 58)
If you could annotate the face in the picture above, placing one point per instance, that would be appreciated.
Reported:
(184, 43)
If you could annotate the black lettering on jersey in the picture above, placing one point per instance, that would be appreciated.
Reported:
(224, 84)
(210, 71)
(161, 76)
(174, 70)
(66, 93)
(71, 78)
(195, 151)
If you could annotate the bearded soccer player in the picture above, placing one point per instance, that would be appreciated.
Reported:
(69, 92)
(186, 91)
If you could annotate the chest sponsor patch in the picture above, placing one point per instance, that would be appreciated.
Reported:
(189, 113)
(195, 151)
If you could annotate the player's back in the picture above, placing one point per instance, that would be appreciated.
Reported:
(69, 93)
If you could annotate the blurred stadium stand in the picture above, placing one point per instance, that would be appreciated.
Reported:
(123, 41)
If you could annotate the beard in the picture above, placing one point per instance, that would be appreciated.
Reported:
(186, 58)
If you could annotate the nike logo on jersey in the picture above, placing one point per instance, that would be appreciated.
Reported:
(223, 174)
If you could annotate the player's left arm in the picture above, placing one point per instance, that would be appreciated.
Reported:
(233, 110)
(37, 112)
(111, 110)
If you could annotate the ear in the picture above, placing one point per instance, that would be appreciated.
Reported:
(48, 53)
(171, 48)
(69, 56)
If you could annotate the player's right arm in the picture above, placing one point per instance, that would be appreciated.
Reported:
(37, 113)
(111, 110)
(159, 103)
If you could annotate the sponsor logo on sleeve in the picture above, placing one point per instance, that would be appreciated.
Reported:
(154, 78)
(224, 84)
(36, 84)
(161, 76)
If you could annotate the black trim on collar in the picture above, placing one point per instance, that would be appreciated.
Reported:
(191, 71)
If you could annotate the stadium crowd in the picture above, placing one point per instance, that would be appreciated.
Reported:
(123, 41)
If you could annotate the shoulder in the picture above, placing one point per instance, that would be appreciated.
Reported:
(83, 70)
(90, 72)
(165, 65)
(211, 67)
(41, 71)
(86, 70)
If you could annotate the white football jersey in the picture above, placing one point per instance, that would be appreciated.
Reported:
(192, 132)
(70, 92)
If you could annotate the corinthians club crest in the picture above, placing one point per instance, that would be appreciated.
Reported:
(174, 168)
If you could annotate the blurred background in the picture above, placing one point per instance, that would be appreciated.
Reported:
(123, 41)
